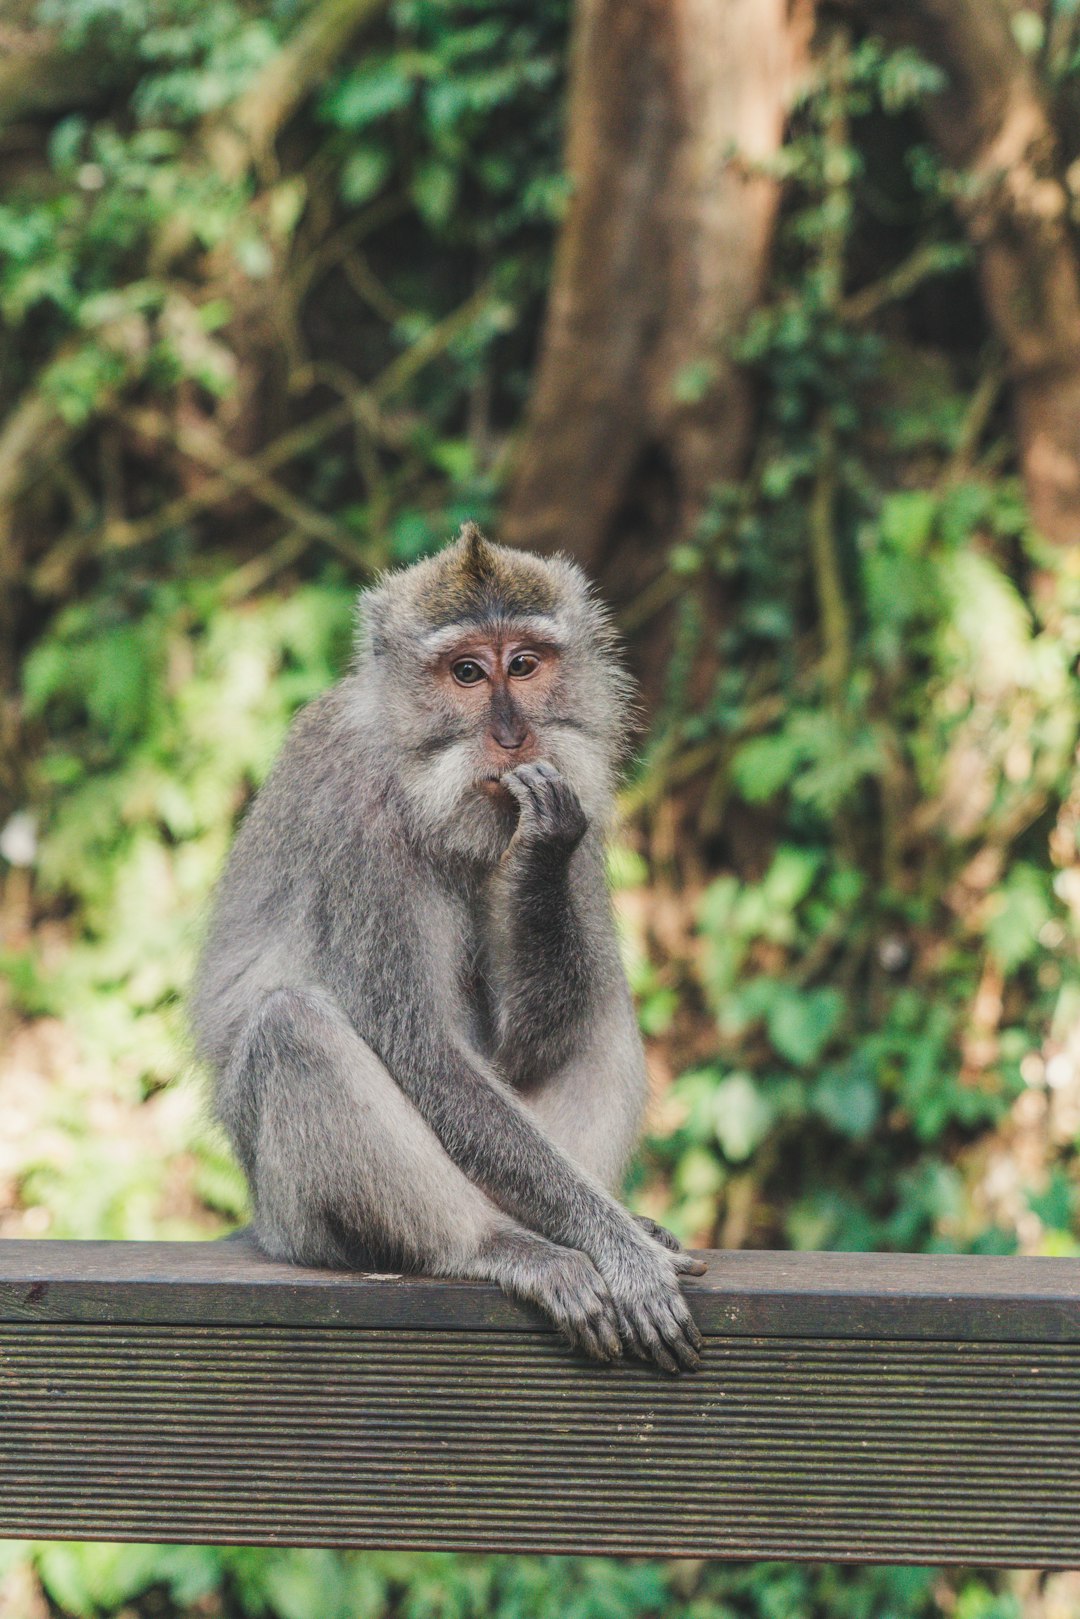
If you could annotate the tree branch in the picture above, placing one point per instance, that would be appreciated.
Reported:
(258, 117)
(52, 573)
(35, 433)
(39, 75)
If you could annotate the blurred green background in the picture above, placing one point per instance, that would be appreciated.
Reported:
(273, 293)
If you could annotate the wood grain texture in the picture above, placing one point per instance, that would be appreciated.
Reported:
(856, 1407)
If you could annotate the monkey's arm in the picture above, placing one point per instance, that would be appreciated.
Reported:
(552, 957)
(491, 1137)
(405, 1009)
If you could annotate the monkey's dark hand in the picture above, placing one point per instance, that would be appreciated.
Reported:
(550, 813)
(654, 1319)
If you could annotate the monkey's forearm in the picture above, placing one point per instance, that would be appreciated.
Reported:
(495, 1142)
(545, 973)
(489, 1135)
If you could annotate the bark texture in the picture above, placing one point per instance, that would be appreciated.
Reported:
(994, 123)
(662, 256)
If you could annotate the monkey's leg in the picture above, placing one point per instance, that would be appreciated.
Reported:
(345, 1171)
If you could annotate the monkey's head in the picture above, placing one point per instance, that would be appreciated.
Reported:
(481, 659)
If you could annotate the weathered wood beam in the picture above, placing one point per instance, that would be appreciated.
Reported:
(869, 1408)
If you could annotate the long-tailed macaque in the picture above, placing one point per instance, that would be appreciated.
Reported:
(411, 997)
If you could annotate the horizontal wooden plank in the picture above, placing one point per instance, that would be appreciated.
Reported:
(858, 1450)
(851, 1407)
(745, 1294)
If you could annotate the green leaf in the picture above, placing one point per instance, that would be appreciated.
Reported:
(801, 1023)
(434, 190)
(907, 78)
(848, 1099)
(1029, 31)
(790, 877)
(366, 95)
(742, 1115)
(1020, 910)
(364, 173)
(765, 764)
(907, 519)
(699, 1173)
(693, 382)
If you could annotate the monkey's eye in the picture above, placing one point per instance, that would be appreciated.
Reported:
(522, 665)
(467, 672)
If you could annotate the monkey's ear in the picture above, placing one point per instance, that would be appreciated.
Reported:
(372, 622)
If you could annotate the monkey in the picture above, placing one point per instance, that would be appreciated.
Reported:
(410, 998)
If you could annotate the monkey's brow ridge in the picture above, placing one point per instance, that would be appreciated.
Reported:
(536, 625)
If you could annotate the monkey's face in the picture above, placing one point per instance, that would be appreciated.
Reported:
(481, 659)
(499, 687)
(493, 697)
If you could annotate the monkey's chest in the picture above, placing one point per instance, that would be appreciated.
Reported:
(478, 1000)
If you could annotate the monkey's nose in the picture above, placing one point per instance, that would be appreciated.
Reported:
(510, 737)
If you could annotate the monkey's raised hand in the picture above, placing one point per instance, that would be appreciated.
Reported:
(551, 816)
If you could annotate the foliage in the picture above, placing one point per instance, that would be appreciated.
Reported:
(884, 983)
(281, 375)
(296, 1585)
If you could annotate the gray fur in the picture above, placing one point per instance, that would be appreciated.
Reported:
(411, 1000)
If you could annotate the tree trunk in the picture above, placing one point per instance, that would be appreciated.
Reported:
(993, 123)
(673, 108)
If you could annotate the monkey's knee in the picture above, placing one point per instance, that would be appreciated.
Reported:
(343, 1168)
(266, 1043)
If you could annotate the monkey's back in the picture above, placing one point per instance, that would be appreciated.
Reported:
(264, 914)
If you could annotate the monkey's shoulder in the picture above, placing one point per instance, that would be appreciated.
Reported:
(327, 760)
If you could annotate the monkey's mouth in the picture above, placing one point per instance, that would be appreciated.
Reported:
(492, 785)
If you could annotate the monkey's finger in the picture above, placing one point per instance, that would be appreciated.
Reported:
(532, 777)
(634, 1343)
(629, 1334)
(667, 1239)
(515, 783)
(639, 1325)
(588, 1308)
(657, 1348)
(685, 1357)
(687, 1325)
(607, 1330)
(586, 1343)
(687, 1265)
(597, 1344)
(602, 1327)
(680, 1332)
(529, 797)
(606, 1349)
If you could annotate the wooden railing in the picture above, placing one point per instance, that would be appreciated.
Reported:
(861, 1407)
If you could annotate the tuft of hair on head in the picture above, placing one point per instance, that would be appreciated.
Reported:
(477, 557)
(470, 581)
(473, 582)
